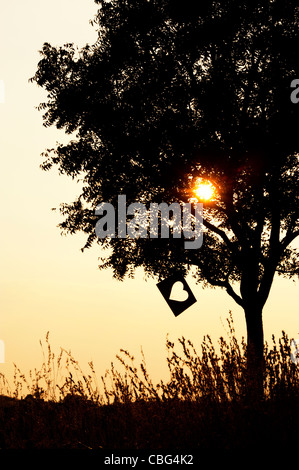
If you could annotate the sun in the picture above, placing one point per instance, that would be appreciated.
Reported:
(204, 190)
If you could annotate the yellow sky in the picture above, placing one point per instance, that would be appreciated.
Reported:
(46, 283)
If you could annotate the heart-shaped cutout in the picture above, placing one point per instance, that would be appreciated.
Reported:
(178, 292)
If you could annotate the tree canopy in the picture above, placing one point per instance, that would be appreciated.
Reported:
(172, 91)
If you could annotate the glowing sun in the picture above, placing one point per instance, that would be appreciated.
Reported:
(204, 189)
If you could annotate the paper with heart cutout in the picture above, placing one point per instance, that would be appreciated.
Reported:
(178, 293)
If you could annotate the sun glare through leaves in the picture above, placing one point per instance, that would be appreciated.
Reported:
(204, 190)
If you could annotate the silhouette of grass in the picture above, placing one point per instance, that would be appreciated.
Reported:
(203, 405)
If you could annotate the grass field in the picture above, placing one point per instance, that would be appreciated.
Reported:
(203, 405)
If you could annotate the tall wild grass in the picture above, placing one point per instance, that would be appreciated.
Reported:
(215, 376)
(203, 404)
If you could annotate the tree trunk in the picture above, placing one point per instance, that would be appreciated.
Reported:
(255, 351)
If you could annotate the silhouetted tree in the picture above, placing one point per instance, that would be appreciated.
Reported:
(172, 91)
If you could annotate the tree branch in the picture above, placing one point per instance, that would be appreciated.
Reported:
(233, 294)
(219, 232)
(289, 238)
(228, 287)
(274, 254)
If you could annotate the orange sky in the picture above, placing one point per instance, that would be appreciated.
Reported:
(46, 283)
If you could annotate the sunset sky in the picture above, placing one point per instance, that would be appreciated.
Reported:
(47, 283)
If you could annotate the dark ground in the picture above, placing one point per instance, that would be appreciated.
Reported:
(76, 423)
